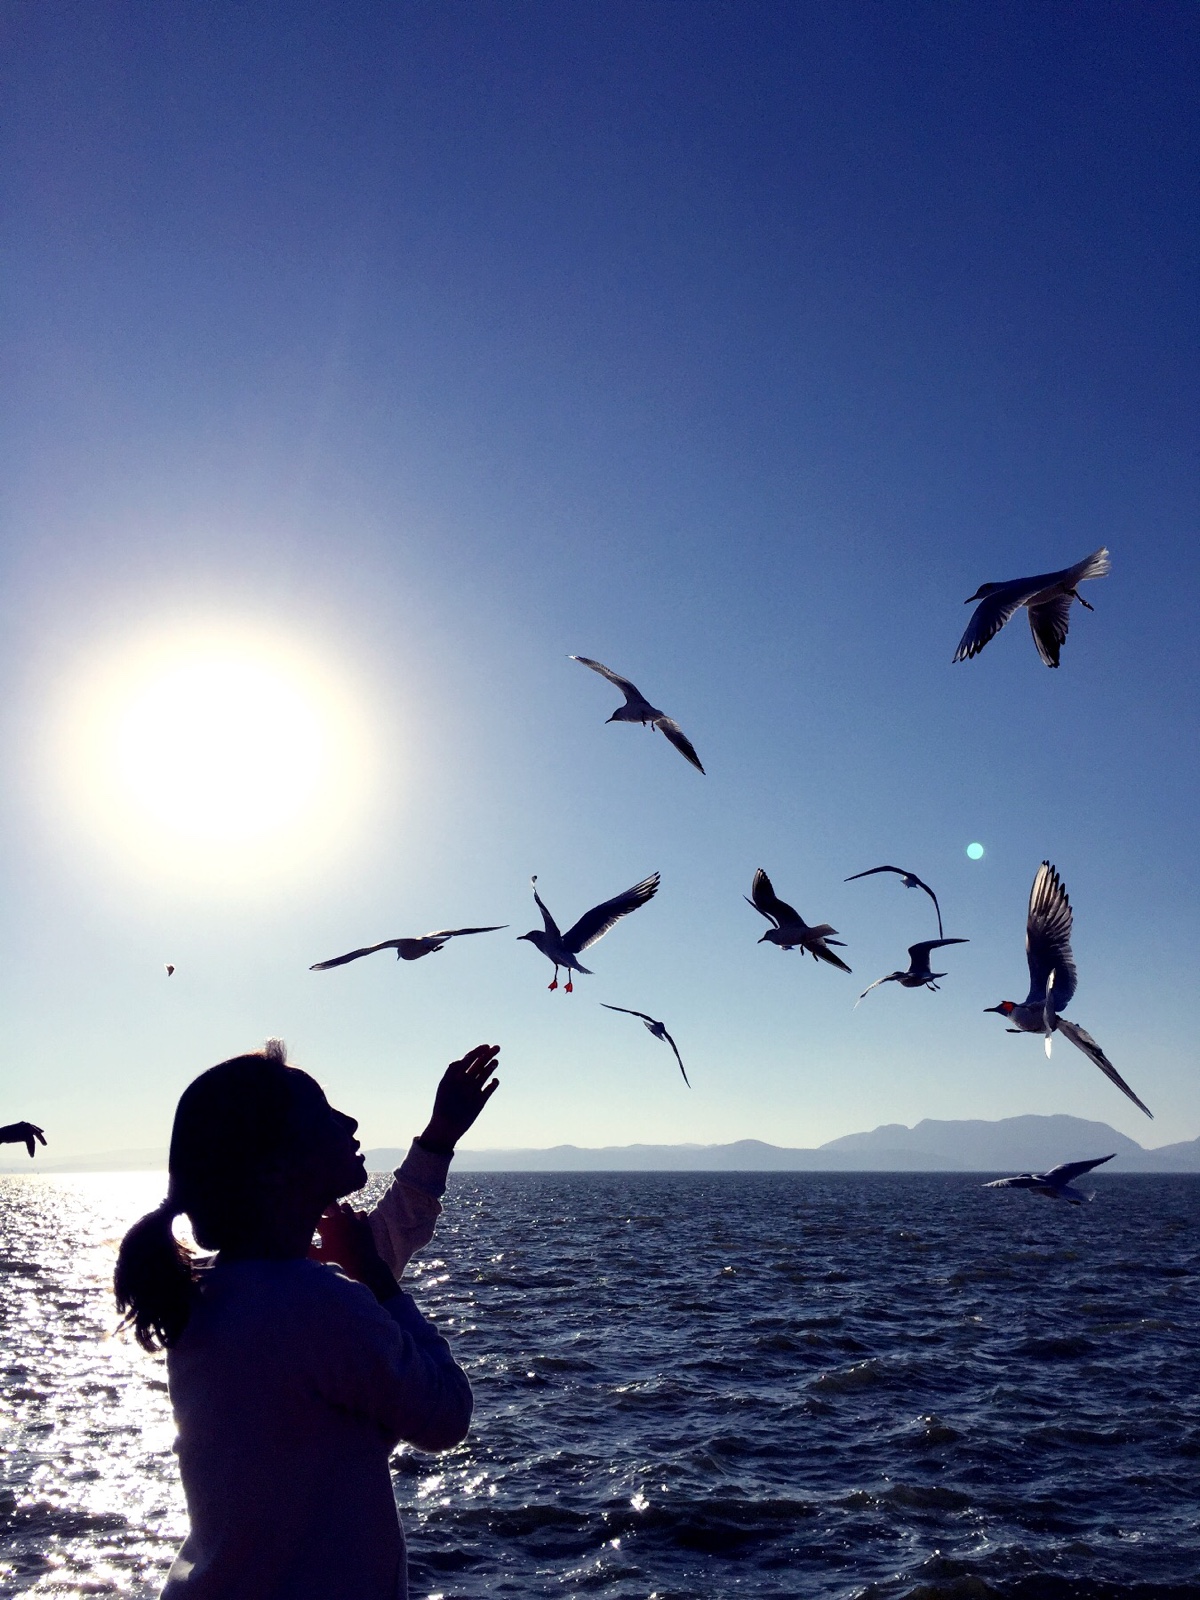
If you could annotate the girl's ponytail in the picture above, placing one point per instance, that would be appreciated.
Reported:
(154, 1281)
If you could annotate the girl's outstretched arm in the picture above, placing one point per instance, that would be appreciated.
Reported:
(404, 1220)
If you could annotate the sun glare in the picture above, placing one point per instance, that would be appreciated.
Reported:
(216, 756)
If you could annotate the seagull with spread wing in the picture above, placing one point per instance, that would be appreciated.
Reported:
(658, 1029)
(406, 949)
(638, 709)
(1047, 597)
(564, 949)
(1055, 1184)
(1053, 979)
(910, 881)
(790, 929)
(918, 975)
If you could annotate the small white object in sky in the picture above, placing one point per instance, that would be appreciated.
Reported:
(918, 975)
(790, 928)
(638, 709)
(563, 948)
(910, 881)
(1055, 1184)
(1047, 598)
(975, 851)
(656, 1028)
(406, 949)
(1053, 979)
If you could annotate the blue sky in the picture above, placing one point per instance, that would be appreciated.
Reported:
(734, 345)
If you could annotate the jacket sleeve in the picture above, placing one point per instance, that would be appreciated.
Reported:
(403, 1221)
(389, 1365)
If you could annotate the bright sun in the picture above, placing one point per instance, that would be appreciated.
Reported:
(216, 755)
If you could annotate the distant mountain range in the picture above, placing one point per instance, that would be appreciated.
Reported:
(1015, 1144)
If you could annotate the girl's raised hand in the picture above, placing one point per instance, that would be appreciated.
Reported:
(465, 1089)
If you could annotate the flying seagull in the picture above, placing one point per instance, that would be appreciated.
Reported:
(1053, 979)
(1055, 1184)
(909, 880)
(918, 974)
(563, 948)
(170, 969)
(656, 1028)
(406, 949)
(1048, 598)
(790, 927)
(638, 709)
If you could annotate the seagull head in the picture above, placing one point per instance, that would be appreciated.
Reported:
(1005, 1008)
(534, 936)
(982, 592)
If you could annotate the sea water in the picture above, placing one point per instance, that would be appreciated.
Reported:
(692, 1385)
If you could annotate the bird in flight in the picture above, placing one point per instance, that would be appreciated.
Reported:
(910, 881)
(563, 949)
(1055, 1184)
(1047, 598)
(170, 969)
(656, 1028)
(918, 974)
(406, 949)
(1053, 979)
(638, 709)
(790, 929)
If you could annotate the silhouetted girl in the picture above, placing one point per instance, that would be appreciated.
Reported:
(295, 1370)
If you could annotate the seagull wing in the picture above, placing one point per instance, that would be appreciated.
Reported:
(1048, 622)
(992, 613)
(630, 690)
(627, 1011)
(1083, 1040)
(594, 924)
(909, 878)
(1048, 940)
(824, 953)
(1027, 1180)
(353, 955)
(763, 898)
(889, 979)
(671, 729)
(1070, 1170)
(551, 925)
(454, 933)
(918, 954)
(678, 1057)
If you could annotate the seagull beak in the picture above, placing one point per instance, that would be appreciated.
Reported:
(1000, 1009)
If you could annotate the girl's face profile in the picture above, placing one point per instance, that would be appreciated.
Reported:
(326, 1156)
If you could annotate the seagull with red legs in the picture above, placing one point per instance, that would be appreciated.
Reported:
(1053, 978)
(564, 949)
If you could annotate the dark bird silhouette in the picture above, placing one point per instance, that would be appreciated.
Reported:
(654, 1027)
(26, 1133)
(918, 975)
(1053, 979)
(170, 970)
(1055, 1184)
(638, 709)
(406, 949)
(790, 929)
(909, 880)
(563, 948)
(1047, 597)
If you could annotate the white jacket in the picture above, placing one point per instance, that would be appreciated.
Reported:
(291, 1386)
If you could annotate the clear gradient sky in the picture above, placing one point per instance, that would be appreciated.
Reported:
(408, 348)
